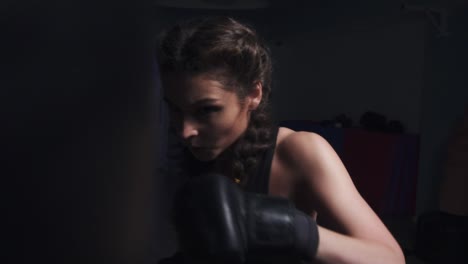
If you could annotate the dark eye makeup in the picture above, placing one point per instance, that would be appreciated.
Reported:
(208, 109)
(202, 111)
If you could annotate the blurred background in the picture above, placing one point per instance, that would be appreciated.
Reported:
(83, 128)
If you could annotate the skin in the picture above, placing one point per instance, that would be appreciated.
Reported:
(208, 117)
(305, 169)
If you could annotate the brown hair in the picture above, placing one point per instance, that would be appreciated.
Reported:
(237, 57)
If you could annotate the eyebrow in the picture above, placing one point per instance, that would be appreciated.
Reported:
(205, 100)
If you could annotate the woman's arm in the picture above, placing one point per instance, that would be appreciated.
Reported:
(338, 248)
(354, 233)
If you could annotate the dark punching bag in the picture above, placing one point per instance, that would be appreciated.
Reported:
(78, 132)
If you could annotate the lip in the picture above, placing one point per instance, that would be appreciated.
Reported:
(199, 148)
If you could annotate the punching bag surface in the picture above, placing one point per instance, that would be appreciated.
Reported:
(79, 132)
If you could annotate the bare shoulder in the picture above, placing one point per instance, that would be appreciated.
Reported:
(295, 152)
(302, 156)
(315, 164)
(327, 186)
(296, 147)
(288, 138)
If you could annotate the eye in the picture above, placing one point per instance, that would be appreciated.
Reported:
(207, 110)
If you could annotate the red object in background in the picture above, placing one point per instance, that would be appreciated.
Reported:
(369, 156)
(383, 166)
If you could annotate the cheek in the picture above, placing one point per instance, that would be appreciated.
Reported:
(220, 128)
(230, 126)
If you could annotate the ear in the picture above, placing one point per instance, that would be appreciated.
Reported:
(255, 97)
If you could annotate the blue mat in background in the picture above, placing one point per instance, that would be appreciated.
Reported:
(334, 136)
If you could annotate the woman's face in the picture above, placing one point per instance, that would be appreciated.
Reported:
(207, 117)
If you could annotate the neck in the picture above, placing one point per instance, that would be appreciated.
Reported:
(222, 164)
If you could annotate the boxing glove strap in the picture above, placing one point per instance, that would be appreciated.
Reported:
(307, 237)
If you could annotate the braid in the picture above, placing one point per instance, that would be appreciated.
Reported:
(256, 139)
(258, 136)
(235, 55)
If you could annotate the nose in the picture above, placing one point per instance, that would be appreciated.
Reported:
(189, 129)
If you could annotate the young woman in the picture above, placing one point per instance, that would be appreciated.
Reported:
(216, 75)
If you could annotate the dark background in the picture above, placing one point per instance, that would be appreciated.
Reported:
(81, 121)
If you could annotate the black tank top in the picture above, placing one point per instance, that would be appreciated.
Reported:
(259, 182)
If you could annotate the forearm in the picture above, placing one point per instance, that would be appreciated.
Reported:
(338, 248)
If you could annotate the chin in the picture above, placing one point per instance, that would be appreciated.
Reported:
(204, 159)
(205, 155)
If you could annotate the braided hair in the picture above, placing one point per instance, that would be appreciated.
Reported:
(235, 55)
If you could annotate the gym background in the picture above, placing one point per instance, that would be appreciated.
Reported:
(82, 125)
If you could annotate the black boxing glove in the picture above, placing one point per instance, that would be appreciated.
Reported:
(216, 220)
